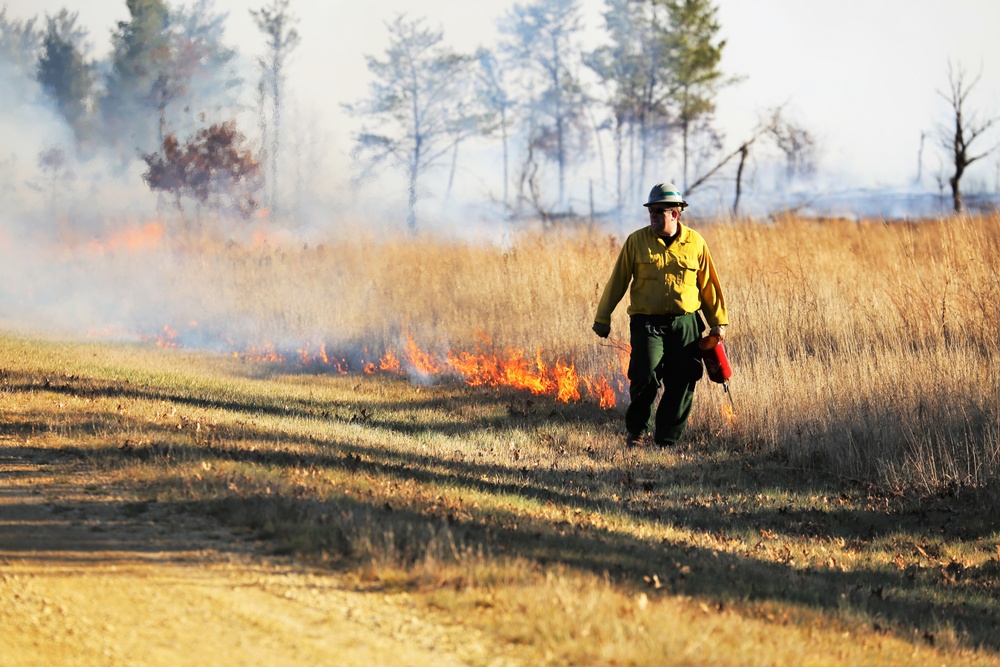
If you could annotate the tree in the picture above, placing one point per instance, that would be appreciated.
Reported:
(637, 69)
(773, 124)
(420, 107)
(620, 68)
(797, 145)
(19, 41)
(138, 81)
(542, 40)
(201, 75)
(277, 24)
(213, 167)
(166, 64)
(498, 106)
(694, 53)
(63, 72)
(966, 128)
(19, 45)
(52, 163)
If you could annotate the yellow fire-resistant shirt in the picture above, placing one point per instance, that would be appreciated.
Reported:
(666, 280)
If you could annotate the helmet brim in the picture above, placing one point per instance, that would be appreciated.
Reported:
(681, 204)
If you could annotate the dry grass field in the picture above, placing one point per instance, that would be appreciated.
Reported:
(841, 509)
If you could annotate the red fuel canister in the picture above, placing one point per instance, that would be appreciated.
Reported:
(713, 353)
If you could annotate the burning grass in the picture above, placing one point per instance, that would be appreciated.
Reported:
(867, 349)
(521, 515)
(863, 349)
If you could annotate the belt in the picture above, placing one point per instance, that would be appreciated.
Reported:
(659, 325)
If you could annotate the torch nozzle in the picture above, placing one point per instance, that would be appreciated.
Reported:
(725, 386)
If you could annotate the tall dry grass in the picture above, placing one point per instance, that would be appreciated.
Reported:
(869, 349)
(870, 346)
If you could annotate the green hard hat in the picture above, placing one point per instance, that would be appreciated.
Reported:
(666, 193)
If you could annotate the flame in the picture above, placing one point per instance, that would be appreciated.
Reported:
(601, 389)
(567, 382)
(307, 357)
(728, 414)
(420, 361)
(266, 352)
(131, 238)
(483, 366)
(165, 338)
(511, 369)
(389, 363)
(109, 331)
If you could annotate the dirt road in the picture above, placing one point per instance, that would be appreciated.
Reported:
(88, 579)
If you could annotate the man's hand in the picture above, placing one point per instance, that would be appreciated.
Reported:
(602, 330)
(718, 330)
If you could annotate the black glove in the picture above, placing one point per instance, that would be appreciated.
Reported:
(602, 330)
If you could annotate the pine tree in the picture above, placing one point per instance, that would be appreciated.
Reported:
(63, 72)
(694, 54)
(542, 39)
(136, 85)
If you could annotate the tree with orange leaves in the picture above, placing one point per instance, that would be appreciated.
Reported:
(213, 167)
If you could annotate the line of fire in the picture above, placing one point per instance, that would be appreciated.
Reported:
(484, 366)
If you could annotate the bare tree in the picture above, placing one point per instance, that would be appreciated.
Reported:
(421, 106)
(54, 166)
(966, 128)
(541, 39)
(775, 125)
(276, 22)
(498, 105)
(796, 143)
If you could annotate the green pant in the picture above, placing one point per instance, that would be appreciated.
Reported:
(664, 353)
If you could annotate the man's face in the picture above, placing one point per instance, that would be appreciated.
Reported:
(663, 219)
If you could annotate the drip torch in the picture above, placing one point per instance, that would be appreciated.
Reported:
(713, 353)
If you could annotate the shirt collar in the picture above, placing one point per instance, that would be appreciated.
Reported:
(683, 234)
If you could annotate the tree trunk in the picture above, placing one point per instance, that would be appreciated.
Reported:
(506, 174)
(619, 151)
(411, 207)
(744, 151)
(956, 192)
(451, 174)
(684, 136)
(276, 122)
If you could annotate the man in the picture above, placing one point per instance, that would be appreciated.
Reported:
(672, 278)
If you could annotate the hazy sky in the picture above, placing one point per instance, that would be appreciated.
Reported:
(861, 75)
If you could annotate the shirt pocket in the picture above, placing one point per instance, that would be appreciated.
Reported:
(686, 270)
(648, 272)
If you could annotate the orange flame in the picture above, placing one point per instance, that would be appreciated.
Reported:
(389, 363)
(508, 367)
(511, 370)
(266, 352)
(602, 390)
(567, 382)
(420, 361)
(728, 414)
(131, 238)
(167, 338)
